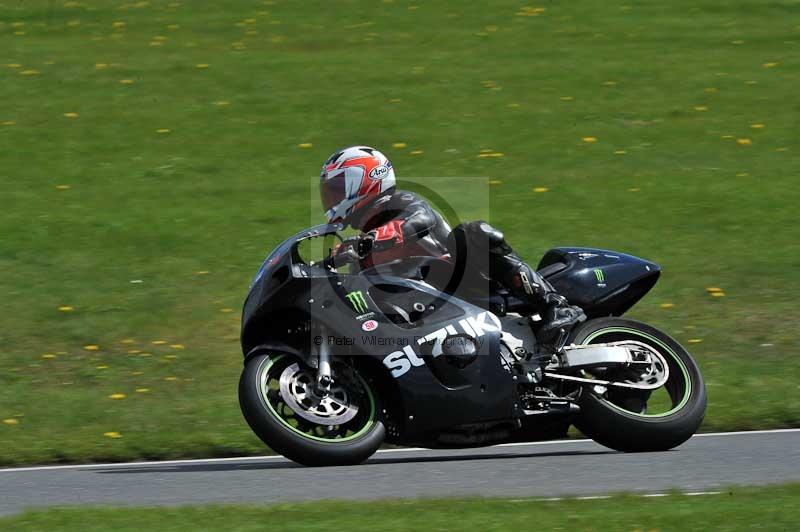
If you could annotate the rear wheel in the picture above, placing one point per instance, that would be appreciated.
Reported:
(279, 400)
(641, 420)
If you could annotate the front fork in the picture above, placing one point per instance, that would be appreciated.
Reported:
(324, 372)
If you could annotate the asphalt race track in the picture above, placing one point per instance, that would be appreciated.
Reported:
(567, 468)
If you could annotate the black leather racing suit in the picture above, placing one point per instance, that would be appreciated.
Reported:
(402, 224)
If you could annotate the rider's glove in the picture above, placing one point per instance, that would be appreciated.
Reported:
(366, 243)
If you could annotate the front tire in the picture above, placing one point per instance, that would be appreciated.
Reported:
(277, 401)
(620, 418)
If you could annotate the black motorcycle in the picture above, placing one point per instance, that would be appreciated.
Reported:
(336, 364)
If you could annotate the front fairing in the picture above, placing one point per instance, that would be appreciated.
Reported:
(363, 315)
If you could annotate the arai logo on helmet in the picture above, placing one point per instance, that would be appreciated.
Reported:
(379, 172)
(369, 325)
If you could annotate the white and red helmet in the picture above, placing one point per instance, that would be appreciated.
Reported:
(352, 178)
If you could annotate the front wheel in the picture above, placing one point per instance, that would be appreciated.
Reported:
(637, 420)
(279, 400)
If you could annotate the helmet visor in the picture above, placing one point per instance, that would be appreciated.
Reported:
(332, 191)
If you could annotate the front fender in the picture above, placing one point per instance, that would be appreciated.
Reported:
(282, 347)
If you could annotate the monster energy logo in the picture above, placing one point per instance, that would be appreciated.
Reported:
(601, 278)
(357, 300)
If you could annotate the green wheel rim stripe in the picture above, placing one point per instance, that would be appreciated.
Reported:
(262, 383)
(687, 393)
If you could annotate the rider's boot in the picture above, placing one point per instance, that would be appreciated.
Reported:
(558, 317)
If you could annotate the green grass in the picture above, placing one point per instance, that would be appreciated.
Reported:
(665, 88)
(773, 508)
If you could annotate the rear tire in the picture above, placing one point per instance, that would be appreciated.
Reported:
(296, 438)
(612, 425)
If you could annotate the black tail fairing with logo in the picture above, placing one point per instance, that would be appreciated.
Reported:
(601, 282)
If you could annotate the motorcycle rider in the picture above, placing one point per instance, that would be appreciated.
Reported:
(357, 188)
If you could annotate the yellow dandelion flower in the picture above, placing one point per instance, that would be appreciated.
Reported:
(170, 357)
(13, 65)
(145, 355)
(695, 340)
(609, 83)
(222, 103)
(11, 421)
(118, 24)
(142, 390)
(700, 108)
(744, 142)
(201, 272)
(416, 152)
(71, 115)
(173, 27)
(134, 351)
(757, 126)
(127, 341)
(226, 310)
(117, 396)
(177, 346)
(495, 182)
(589, 140)
(101, 366)
(202, 65)
(399, 145)
(540, 190)
(66, 308)
(163, 131)
(30, 72)
(770, 65)
(717, 294)
(126, 81)
(491, 154)
(48, 356)
(101, 66)
(62, 187)
(112, 434)
(713, 289)
(634, 189)
(170, 378)
(73, 23)
(91, 347)
(667, 305)
(159, 342)
(305, 145)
